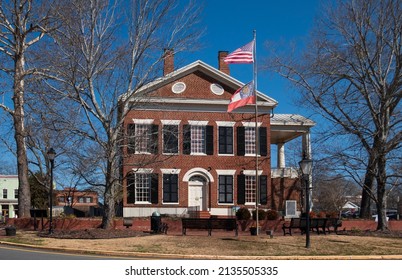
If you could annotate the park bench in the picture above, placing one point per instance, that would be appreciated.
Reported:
(333, 223)
(288, 226)
(318, 224)
(208, 224)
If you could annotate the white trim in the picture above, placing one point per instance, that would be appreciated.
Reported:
(225, 172)
(226, 124)
(170, 171)
(178, 84)
(197, 171)
(143, 121)
(143, 170)
(200, 123)
(170, 122)
(251, 124)
(251, 172)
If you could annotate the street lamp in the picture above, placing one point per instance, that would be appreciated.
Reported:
(51, 154)
(306, 168)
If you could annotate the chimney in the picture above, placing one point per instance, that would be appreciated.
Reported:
(168, 61)
(223, 66)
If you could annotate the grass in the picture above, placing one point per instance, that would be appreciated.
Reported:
(204, 246)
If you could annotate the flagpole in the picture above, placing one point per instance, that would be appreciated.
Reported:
(256, 129)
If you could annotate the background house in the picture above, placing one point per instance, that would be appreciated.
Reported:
(9, 196)
(77, 202)
(185, 155)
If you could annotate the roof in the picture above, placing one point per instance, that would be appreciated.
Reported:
(286, 127)
(208, 70)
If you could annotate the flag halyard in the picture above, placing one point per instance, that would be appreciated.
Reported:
(241, 55)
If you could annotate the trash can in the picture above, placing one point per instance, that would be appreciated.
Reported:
(155, 222)
(11, 231)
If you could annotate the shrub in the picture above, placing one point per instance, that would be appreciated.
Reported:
(272, 215)
(243, 214)
(261, 215)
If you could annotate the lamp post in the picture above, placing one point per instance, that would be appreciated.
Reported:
(51, 155)
(306, 167)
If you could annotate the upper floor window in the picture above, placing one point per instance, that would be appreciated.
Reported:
(4, 193)
(198, 138)
(225, 140)
(16, 193)
(246, 140)
(170, 139)
(142, 137)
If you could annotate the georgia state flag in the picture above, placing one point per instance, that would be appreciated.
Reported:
(243, 96)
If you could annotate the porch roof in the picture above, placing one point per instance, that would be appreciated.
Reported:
(286, 127)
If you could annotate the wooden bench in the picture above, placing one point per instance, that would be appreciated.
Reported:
(208, 224)
(333, 223)
(288, 226)
(318, 225)
(127, 222)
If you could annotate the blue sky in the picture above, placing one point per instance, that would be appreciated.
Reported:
(230, 24)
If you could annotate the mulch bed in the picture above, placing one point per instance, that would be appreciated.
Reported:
(93, 233)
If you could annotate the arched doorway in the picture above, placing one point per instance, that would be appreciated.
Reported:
(197, 193)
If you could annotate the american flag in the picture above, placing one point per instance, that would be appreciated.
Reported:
(241, 55)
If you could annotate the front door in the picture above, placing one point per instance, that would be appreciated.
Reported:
(197, 194)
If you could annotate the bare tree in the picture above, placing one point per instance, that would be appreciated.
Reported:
(351, 73)
(106, 51)
(23, 24)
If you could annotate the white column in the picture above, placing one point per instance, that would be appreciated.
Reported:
(281, 155)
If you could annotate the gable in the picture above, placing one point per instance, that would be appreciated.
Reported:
(198, 78)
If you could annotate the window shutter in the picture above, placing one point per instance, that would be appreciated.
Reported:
(241, 189)
(130, 180)
(186, 139)
(154, 139)
(263, 190)
(131, 138)
(154, 188)
(241, 151)
(209, 135)
(263, 141)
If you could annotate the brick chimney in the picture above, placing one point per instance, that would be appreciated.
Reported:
(168, 61)
(223, 66)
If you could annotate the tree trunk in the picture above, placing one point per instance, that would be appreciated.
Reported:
(109, 194)
(381, 197)
(24, 192)
(365, 206)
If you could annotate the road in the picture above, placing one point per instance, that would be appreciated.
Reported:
(18, 253)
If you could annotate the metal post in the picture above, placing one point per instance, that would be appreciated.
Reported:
(51, 197)
(306, 178)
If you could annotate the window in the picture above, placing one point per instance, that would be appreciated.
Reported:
(16, 194)
(170, 188)
(249, 140)
(225, 189)
(250, 189)
(142, 188)
(225, 140)
(4, 193)
(171, 139)
(142, 137)
(246, 192)
(85, 199)
(61, 199)
(81, 199)
(246, 140)
(198, 138)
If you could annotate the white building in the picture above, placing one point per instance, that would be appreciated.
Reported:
(8, 195)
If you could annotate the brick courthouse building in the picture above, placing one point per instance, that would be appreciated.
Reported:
(185, 154)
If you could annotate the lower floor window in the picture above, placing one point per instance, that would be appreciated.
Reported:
(250, 189)
(138, 188)
(225, 189)
(170, 188)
